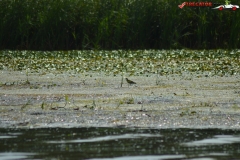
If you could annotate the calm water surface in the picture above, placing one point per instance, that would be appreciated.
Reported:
(119, 143)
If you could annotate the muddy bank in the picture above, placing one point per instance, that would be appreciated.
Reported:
(81, 100)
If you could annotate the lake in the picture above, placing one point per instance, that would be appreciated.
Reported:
(119, 143)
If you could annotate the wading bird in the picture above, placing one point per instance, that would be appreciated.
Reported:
(130, 82)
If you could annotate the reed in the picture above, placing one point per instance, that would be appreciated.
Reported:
(115, 24)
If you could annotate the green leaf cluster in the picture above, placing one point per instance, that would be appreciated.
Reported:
(117, 62)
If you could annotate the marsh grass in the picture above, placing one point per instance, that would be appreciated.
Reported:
(115, 24)
(204, 104)
(235, 107)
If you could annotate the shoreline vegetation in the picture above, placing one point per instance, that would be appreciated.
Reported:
(124, 62)
(50, 99)
(115, 24)
(83, 88)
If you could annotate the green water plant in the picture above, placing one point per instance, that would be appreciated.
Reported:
(137, 62)
(25, 105)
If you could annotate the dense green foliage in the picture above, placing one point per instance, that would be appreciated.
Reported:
(115, 24)
(117, 62)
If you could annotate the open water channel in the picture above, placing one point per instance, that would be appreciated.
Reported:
(119, 143)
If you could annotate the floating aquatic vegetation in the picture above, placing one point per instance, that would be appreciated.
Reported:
(116, 62)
